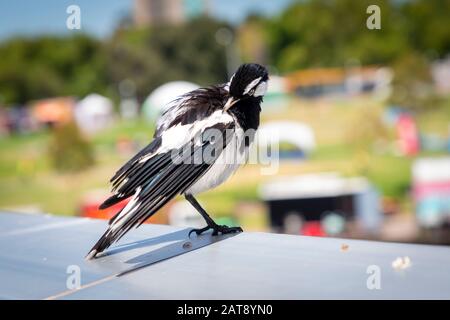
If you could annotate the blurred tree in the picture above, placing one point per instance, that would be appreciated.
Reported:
(253, 40)
(79, 65)
(429, 26)
(152, 57)
(315, 33)
(68, 150)
(332, 33)
(412, 84)
(50, 66)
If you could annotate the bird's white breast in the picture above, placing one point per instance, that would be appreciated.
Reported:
(226, 164)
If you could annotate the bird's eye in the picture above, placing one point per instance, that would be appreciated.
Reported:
(252, 92)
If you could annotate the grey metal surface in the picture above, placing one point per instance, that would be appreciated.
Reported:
(35, 252)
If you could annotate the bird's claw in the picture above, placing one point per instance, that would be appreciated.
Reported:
(198, 231)
(226, 230)
(216, 230)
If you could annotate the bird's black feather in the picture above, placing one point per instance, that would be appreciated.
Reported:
(195, 105)
(176, 176)
(248, 116)
(133, 164)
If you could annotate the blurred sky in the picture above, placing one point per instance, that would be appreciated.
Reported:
(24, 17)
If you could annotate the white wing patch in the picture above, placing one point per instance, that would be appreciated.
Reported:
(251, 85)
(131, 207)
(261, 89)
(227, 86)
(179, 135)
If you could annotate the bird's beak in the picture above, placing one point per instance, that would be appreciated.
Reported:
(231, 101)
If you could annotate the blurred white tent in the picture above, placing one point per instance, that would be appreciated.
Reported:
(295, 133)
(159, 99)
(93, 113)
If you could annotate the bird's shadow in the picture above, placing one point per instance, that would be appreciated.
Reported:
(180, 243)
(172, 250)
(168, 237)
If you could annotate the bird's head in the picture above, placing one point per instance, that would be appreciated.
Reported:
(248, 82)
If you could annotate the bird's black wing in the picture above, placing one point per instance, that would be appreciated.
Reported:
(185, 110)
(121, 180)
(172, 172)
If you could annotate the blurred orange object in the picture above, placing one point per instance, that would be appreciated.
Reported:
(91, 202)
(91, 210)
(53, 111)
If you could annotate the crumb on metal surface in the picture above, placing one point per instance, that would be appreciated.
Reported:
(401, 263)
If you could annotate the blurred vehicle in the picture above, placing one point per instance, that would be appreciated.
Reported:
(431, 190)
(322, 204)
(315, 83)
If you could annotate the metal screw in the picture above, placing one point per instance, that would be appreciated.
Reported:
(187, 245)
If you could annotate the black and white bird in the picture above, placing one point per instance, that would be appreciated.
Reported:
(170, 165)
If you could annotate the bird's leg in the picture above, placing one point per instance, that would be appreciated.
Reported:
(209, 221)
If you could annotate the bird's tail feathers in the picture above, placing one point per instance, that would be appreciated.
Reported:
(115, 230)
(115, 198)
(104, 242)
